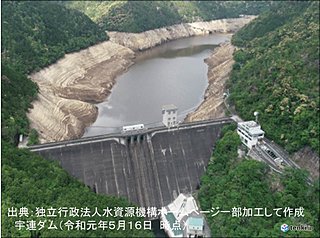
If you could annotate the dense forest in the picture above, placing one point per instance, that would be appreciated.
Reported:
(36, 34)
(17, 92)
(233, 182)
(126, 15)
(276, 16)
(277, 74)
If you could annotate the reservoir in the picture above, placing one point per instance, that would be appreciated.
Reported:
(172, 73)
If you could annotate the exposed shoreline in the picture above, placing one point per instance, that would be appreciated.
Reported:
(68, 88)
(219, 68)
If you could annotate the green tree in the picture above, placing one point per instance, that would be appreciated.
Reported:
(277, 74)
(233, 184)
(36, 34)
(33, 137)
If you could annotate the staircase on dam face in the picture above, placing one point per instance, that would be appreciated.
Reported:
(150, 169)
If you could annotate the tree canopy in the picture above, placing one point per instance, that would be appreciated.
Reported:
(37, 33)
(138, 16)
(234, 184)
(276, 73)
(17, 92)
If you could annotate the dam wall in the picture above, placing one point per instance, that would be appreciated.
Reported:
(149, 169)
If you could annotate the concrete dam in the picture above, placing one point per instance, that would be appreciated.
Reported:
(149, 168)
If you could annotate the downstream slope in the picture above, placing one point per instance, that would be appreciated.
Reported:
(68, 87)
(231, 180)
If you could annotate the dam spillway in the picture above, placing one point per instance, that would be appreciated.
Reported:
(149, 168)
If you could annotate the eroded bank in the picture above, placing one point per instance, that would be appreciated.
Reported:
(219, 68)
(69, 87)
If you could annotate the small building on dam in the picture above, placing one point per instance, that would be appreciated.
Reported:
(150, 168)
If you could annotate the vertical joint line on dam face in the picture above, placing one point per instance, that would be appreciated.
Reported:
(139, 157)
(114, 171)
(133, 157)
(144, 173)
(154, 168)
(185, 164)
(175, 173)
(127, 175)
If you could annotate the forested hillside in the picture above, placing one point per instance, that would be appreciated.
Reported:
(17, 93)
(276, 16)
(232, 184)
(277, 74)
(126, 15)
(37, 33)
(34, 35)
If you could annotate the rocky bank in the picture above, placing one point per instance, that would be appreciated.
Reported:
(309, 160)
(219, 68)
(68, 88)
(149, 39)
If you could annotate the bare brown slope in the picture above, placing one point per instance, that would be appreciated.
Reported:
(68, 87)
(219, 68)
(149, 39)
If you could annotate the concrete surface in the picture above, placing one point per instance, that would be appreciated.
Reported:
(150, 169)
